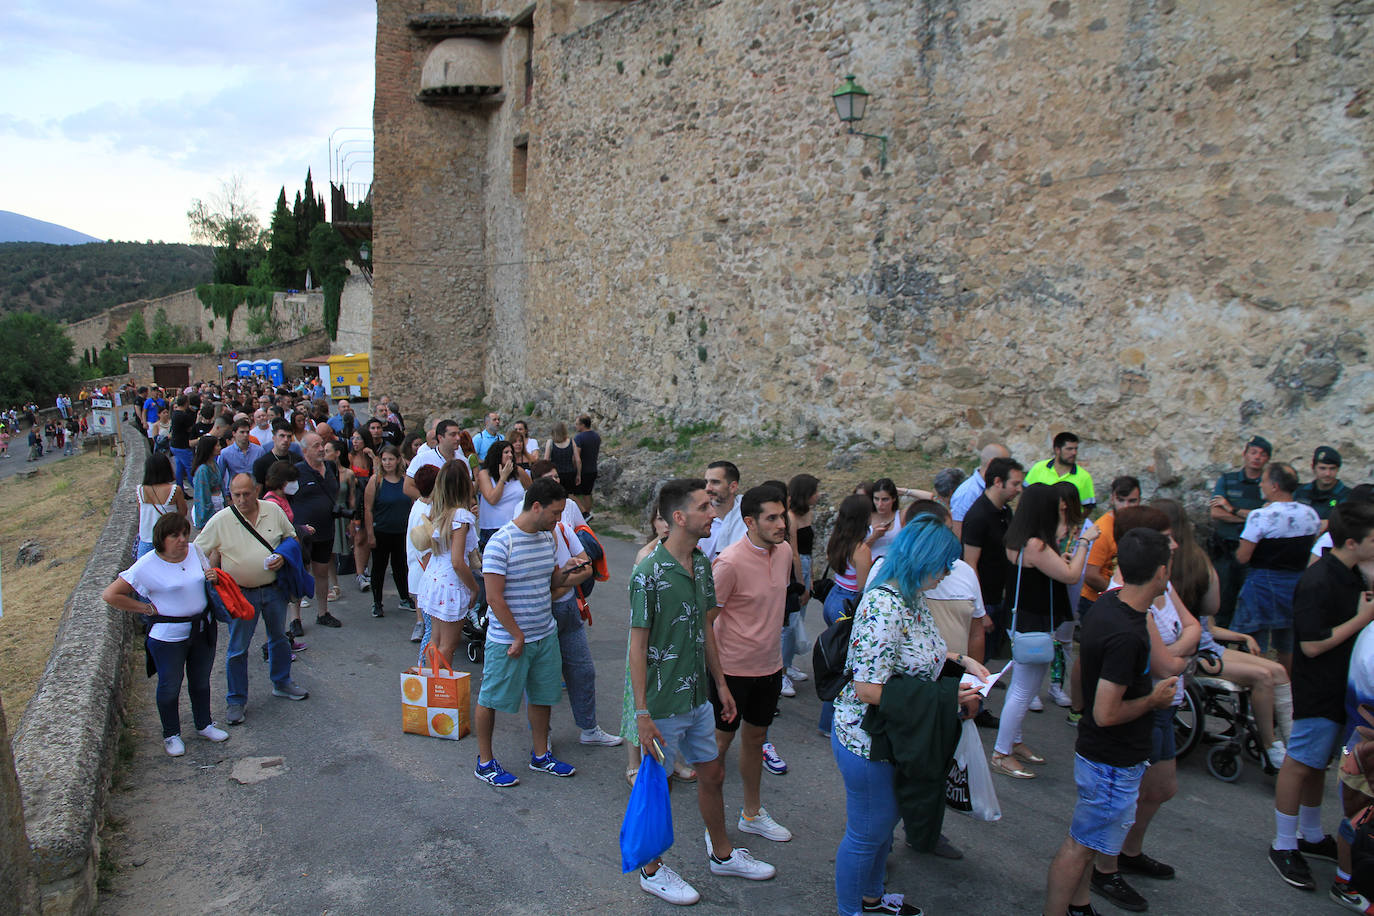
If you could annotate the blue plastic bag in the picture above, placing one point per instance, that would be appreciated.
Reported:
(647, 831)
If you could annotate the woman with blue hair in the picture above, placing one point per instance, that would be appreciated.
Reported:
(894, 635)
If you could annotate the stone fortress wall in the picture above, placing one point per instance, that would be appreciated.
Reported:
(1142, 220)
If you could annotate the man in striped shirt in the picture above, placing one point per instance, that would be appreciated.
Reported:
(522, 656)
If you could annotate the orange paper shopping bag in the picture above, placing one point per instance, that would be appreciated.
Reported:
(435, 699)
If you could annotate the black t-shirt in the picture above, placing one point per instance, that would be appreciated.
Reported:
(265, 462)
(313, 503)
(985, 527)
(1115, 646)
(183, 423)
(589, 445)
(1327, 595)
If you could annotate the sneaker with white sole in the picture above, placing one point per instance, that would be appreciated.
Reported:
(290, 691)
(551, 764)
(598, 736)
(771, 761)
(763, 825)
(213, 732)
(1344, 893)
(173, 746)
(1059, 697)
(787, 689)
(894, 904)
(493, 774)
(666, 884)
(740, 864)
(1036, 704)
(796, 674)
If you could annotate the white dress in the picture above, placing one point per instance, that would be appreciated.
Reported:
(441, 594)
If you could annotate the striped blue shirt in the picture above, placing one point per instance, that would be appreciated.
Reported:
(526, 560)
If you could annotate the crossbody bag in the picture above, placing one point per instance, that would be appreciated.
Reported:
(1029, 648)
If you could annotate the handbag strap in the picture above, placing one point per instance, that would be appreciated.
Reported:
(1016, 600)
(251, 530)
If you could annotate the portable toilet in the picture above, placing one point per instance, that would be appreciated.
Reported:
(348, 375)
(275, 372)
(260, 368)
(243, 368)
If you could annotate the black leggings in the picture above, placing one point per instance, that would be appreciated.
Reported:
(390, 548)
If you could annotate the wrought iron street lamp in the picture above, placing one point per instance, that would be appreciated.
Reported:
(851, 101)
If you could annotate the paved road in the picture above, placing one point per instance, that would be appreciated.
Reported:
(18, 463)
(365, 819)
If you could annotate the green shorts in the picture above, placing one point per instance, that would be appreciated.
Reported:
(537, 671)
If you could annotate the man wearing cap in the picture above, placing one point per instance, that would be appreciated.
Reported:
(1235, 496)
(1325, 492)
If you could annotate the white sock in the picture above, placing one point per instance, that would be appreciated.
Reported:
(1283, 711)
(1310, 823)
(1285, 831)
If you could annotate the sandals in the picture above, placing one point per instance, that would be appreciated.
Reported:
(630, 774)
(1026, 754)
(335, 593)
(684, 773)
(1009, 765)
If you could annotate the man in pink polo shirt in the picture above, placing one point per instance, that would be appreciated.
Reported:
(751, 586)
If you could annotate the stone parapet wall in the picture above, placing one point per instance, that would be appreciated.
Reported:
(1147, 222)
(65, 744)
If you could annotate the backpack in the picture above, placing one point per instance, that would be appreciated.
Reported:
(830, 657)
(592, 547)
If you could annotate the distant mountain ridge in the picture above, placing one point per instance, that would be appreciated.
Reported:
(16, 227)
(71, 282)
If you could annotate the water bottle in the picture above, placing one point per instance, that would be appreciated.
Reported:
(1057, 666)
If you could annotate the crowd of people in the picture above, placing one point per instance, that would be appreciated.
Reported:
(487, 540)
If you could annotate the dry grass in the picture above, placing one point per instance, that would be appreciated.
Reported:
(63, 508)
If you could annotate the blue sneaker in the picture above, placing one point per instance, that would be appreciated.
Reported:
(493, 774)
(550, 764)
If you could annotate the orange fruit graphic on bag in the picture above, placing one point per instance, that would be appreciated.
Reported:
(413, 689)
(443, 723)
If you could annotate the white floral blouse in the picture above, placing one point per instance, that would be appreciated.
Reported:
(889, 638)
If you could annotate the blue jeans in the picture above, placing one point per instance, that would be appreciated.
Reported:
(834, 608)
(181, 459)
(578, 672)
(194, 656)
(870, 815)
(271, 607)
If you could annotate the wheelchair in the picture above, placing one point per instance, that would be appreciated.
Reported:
(1216, 712)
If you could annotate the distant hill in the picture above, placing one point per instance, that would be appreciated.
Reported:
(71, 282)
(16, 227)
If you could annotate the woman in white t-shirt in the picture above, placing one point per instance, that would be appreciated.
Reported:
(417, 557)
(449, 588)
(182, 636)
(501, 483)
(886, 521)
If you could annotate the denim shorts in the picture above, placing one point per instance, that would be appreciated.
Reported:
(1313, 741)
(693, 733)
(1106, 803)
(536, 671)
(1282, 638)
(1162, 744)
(1265, 601)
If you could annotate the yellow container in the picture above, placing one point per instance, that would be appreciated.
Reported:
(348, 376)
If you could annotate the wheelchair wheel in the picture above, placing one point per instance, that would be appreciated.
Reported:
(474, 649)
(1224, 762)
(1188, 721)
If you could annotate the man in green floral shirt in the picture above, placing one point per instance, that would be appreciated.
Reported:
(672, 652)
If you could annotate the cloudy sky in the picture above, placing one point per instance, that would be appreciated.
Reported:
(120, 112)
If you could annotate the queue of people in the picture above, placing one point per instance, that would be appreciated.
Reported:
(933, 584)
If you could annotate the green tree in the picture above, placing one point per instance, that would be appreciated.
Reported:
(135, 337)
(329, 255)
(283, 247)
(164, 338)
(35, 358)
(111, 362)
(227, 223)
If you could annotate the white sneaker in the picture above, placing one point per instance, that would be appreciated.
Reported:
(1276, 752)
(173, 746)
(596, 735)
(1036, 704)
(213, 732)
(797, 675)
(740, 864)
(1059, 696)
(763, 825)
(666, 884)
(787, 689)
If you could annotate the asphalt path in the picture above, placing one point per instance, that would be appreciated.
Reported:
(361, 818)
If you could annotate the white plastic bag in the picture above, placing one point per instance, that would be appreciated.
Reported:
(968, 787)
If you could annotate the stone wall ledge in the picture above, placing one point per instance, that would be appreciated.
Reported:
(65, 745)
